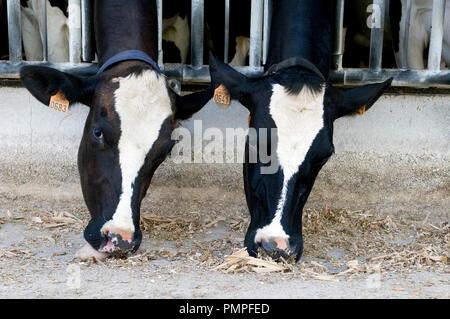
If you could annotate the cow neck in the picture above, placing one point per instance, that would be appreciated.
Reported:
(127, 56)
(295, 62)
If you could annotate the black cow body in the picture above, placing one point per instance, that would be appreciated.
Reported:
(295, 104)
(128, 130)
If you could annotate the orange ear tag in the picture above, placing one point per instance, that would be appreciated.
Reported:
(249, 119)
(59, 103)
(222, 96)
(361, 111)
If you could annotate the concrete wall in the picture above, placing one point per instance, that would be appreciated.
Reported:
(393, 157)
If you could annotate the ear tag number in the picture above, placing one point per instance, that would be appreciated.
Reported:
(59, 103)
(222, 97)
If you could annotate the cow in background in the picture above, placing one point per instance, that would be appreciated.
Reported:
(127, 133)
(418, 34)
(292, 111)
(176, 31)
(57, 32)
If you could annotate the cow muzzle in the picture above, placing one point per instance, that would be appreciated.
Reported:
(278, 248)
(120, 243)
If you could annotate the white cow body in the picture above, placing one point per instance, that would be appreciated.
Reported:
(57, 33)
(242, 51)
(419, 34)
(31, 37)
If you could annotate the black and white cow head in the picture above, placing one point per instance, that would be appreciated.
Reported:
(296, 108)
(127, 135)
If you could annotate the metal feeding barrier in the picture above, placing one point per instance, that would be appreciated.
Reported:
(81, 48)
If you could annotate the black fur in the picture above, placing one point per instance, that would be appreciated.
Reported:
(299, 28)
(119, 25)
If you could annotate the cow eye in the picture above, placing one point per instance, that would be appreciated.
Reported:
(98, 133)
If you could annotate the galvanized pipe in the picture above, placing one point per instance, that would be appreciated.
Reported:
(266, 29)
(74, 23)
(405, 35)
(86, 32)
(159, 8)
(376, 35)
(11, 70)
(437, 33)
(256, 33)
(44, 31)
(226, 44)
(197, 21)
(189, 74)
(14, 30)
(338, 35)
(402, 78)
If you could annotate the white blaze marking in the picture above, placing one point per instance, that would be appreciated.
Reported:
(298, 118)
(143, 104)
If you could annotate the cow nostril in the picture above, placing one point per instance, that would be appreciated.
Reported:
(269, 245)
(277, 248)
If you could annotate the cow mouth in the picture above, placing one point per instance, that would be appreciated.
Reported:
(117, 247)
(270, 249)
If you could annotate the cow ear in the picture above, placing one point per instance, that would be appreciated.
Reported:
(187, 105)
(351, 100)
(44, 82)
(221, 73)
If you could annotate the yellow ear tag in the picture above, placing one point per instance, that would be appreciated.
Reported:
(222, 97)
(59, 103)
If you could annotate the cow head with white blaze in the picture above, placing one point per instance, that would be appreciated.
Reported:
(127, 135)
(296, 107)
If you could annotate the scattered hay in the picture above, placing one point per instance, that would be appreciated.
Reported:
(240, 261)
(176, 228)
(14, 253)
(170, 227)
(53, 220)
(367, 241)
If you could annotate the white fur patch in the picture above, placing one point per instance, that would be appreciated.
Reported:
(298, 118)
(242, 50)
(143, 104)
(176, 30)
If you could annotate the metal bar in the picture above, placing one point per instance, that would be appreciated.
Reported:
(86, 32)
(14, 30)
(266, 28)
(44, 31)
(405, 35)
(74, 23)
(338, 35)
(189, 74)
(227, 31)
(197, 22)
(376, 35)
(159, 8)
(437, 33)
(256, 33)
(402, 78)
(11, 70)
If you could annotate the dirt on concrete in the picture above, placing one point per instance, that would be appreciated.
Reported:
(190, 231)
